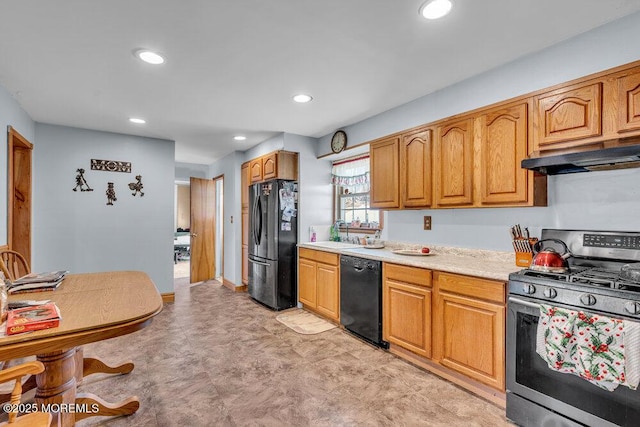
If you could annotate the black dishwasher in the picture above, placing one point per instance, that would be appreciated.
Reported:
(361, 298)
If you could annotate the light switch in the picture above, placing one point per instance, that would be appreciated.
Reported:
(427, 222)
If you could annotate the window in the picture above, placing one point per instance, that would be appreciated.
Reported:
(351, 189)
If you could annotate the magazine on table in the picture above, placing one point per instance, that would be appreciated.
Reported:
(33, 287)
(50, 276)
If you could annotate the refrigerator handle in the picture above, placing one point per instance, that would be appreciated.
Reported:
(259, 220)
(254, 219)
(259, 263)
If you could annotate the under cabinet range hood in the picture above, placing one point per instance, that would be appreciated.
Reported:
(622, 157)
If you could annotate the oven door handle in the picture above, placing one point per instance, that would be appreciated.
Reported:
(525, 303)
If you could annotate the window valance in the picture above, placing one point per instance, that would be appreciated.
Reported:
(353, 174)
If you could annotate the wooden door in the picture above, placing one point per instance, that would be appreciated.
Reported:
(307, 282)
(415, 169)
(407, 316)
(629, 103)
(473, 338)
(385, 187)
(503, 146)
(328, 291)
(203, 222)
(19, 194)
(569, 113)
(455, 163)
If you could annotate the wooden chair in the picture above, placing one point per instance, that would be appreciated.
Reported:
(13, 264)
(15, 373)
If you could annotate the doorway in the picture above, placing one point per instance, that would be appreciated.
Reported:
(182, 227)
(219, 233)
(199, 230)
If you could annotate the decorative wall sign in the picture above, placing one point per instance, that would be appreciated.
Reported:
(110, 166)
(136, 186)
(81, 181)
(111, 194)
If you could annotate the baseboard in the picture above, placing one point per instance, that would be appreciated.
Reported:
(230, 285)
(494, 396)
(168, 297)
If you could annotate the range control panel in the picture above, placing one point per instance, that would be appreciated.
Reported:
(611, 241)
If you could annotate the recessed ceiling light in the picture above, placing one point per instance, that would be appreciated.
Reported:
(434, 9)
(302, 98)
(239, 138)
(137, 120)
(149, 57)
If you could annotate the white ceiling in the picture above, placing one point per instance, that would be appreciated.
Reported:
(233, 65)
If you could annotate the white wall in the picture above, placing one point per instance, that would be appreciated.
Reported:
(314, 176)
(229, 166)
(184, 171)
(77, 230)
(607, 200)
(11, 114)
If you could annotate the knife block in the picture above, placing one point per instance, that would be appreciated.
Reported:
(523, 259)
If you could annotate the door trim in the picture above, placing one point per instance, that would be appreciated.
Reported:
(19, 208)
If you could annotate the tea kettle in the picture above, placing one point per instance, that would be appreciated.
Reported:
(548, 260)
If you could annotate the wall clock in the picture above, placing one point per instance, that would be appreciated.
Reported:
(338, 141)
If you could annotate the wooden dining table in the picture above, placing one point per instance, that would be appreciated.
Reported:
(93, 307)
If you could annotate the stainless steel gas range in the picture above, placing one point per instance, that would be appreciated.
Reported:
(538, 395)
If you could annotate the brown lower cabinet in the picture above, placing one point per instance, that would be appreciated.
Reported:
(457, 322)
(319, 282)
(469, 327)
(406, 301)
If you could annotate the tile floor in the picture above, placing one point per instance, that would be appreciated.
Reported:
(216, 358)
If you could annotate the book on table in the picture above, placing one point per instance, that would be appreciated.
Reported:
(50, 276)
(33, 318)
(37, 282)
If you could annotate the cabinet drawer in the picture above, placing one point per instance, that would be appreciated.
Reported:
(414, 275)
(489, 290)
(318, 256)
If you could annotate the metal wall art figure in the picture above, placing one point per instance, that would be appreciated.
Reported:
(111, 194)
(136, 186)
(81, 181)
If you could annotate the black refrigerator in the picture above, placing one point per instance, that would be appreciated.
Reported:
(273, 235)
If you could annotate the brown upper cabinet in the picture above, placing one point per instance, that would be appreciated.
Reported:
(569, 114)
(416, 169)
(384, 173)
(275, 165)
(503, 146)
(629, 102)
(454, 163)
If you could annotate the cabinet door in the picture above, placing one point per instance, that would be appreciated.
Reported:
(385, 188)
(455, 163)
(328, 291)
(307, 282)
(473, 335)
(245, 264)
(503, 147)
(415, 170)
(255, 170)
(244, 185)
(568, 114)
(407, 316)
(629, 103)
(245, 226)
(270, 166)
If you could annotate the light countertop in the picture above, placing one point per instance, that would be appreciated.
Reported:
(471, 262)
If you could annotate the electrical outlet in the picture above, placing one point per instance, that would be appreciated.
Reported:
(427, 222)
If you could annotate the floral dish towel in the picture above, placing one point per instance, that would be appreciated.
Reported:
(602, 350)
